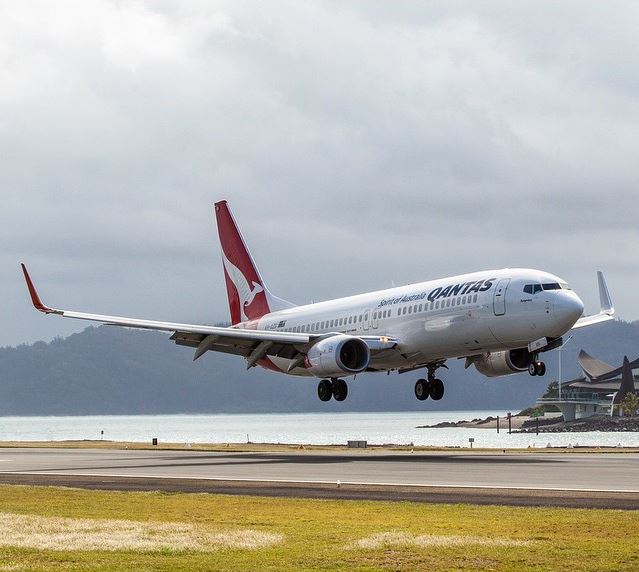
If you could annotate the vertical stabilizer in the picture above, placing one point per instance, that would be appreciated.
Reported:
(249, 298)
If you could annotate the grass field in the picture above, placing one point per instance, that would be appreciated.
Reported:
(43, 528)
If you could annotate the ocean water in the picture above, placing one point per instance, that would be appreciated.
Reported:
(295, 428)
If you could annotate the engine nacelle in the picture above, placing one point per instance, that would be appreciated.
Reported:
(507, 362)
(338, 355)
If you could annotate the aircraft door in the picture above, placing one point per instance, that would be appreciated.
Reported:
(499, 299)
(365, 319)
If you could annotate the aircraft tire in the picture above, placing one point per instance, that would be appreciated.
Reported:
(436, 389)
(422, 389)
(532, 368)
(340, 389)
(324, 390)
(541, 368)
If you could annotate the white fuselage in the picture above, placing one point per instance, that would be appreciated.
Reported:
(460, 316)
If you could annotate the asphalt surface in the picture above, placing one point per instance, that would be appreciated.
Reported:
(513, 478)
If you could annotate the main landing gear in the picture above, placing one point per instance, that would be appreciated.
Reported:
(537, 367)
(432, 386)
(335, 387)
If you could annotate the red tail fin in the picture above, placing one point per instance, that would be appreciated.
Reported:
(248, 296)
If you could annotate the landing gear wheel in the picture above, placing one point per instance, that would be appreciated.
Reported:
(436, 389)
(324, 390)
(340, 389)
(422, 389)
(537, 368)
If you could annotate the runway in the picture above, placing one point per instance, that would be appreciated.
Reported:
(558, 479)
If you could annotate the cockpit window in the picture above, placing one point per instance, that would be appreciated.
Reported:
(551, 286)
(532, 288)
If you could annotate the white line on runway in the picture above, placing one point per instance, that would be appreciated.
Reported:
(351, 483)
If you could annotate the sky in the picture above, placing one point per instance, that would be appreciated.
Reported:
(359, 144)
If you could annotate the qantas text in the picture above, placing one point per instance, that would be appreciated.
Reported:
(443, 292)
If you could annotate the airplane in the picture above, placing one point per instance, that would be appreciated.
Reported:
(499, 321)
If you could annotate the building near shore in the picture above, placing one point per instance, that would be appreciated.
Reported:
(601, 387)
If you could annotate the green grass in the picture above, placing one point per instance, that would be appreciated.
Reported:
(327, 535)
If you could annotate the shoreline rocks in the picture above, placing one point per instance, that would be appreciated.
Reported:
(594, 423)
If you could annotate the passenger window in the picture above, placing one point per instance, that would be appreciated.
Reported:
(475, 298)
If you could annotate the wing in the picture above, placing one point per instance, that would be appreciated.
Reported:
(607, 310)
(252, 344)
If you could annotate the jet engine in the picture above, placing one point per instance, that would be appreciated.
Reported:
(338, 355)
(495, 364)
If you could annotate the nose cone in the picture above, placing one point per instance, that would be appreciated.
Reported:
(568, 309)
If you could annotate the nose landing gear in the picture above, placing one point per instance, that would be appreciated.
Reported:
(537, 367)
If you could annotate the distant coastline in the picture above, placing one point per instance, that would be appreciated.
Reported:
(549, 423)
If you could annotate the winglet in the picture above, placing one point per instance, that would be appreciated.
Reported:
(34, 294)
(604, 296)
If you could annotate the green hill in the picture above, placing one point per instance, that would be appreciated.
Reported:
(108, 370)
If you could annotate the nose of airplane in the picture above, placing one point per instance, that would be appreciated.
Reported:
(568, 310)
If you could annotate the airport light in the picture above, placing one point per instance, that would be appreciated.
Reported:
(559, 350)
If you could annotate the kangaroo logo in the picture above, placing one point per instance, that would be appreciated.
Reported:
(244, 291)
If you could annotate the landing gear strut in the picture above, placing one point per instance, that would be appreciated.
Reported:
(432, 387)
(335, 387)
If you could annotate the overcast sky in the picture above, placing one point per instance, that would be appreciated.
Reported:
(359, 144)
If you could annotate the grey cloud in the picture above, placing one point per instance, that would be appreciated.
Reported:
(358, 144)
